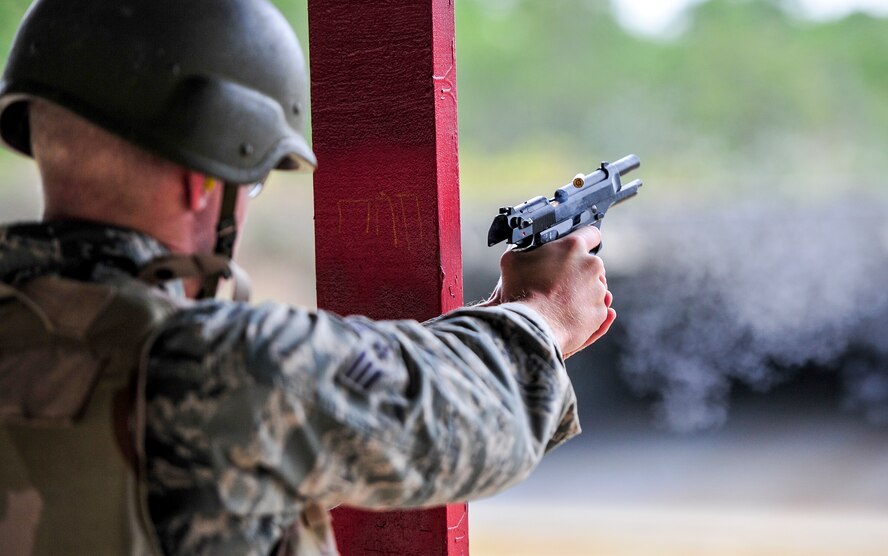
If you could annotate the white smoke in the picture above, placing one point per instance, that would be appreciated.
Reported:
(753, 295)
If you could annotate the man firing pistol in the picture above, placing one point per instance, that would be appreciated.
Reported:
(139, 414)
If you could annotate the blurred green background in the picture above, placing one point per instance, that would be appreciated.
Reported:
(748, 93)
(737, 97)
(745, 113)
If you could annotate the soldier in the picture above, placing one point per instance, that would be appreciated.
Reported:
(140, 415)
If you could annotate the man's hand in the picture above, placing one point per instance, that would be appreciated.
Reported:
(565, 284)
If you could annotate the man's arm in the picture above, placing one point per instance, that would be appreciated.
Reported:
(353, 411)
(253, 412)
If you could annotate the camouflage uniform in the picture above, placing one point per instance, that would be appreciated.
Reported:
(254, 413)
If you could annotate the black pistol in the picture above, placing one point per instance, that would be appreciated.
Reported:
(583, 202)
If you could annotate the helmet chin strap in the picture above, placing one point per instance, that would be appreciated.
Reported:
(226, 237)
(226, 229)
(209, 269)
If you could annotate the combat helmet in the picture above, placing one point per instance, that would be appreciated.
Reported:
(216, 85)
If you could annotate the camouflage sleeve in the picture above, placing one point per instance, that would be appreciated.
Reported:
(257, 410)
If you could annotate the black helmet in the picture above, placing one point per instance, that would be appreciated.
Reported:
(215, 85)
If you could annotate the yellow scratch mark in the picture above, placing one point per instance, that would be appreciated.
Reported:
(339, 207)
(374, 209)
(406, 224)
(407, 230)
(394, 219)
(418, 217)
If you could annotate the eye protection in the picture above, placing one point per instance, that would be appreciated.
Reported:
(254, 189)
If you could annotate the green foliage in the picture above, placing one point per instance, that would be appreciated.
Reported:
(748, 96)
(11, 12)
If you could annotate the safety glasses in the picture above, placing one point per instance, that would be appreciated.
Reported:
(254, 189)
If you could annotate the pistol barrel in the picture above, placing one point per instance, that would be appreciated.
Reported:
(622, 167)
(626, 164)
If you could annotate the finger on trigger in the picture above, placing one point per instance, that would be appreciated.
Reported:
(591, 235)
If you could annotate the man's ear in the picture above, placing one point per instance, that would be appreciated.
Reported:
(198, 189)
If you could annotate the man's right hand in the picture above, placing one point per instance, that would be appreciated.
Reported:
(565, 284)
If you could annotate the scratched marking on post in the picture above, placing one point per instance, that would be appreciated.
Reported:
(402, 197)
(401, 216)
(446, 83)
(391, 212)
(459, 531)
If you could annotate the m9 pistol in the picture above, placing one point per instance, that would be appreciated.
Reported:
(583, 202)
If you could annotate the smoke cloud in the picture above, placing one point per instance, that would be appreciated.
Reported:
(753, 295)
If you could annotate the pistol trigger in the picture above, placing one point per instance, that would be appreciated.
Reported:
(595, 251)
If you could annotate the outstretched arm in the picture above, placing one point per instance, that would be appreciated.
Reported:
(252, 412)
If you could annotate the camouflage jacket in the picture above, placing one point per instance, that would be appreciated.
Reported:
(254, 412)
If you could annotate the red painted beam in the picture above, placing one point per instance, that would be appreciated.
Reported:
(387, 200)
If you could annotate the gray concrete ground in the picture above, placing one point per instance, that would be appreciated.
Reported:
(811, 482)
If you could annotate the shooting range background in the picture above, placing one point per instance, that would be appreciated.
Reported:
(741, 404)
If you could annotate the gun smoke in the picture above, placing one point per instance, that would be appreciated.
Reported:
(751, 295)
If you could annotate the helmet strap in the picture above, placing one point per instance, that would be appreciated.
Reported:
(209, 269)
(226, 229)
(226, 236)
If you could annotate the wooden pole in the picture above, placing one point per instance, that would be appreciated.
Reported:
(387, 200)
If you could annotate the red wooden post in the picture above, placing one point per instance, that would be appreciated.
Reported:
(387, 200)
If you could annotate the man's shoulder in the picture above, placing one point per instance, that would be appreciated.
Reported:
(211, 329)
(203, 326)
(227, 342)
